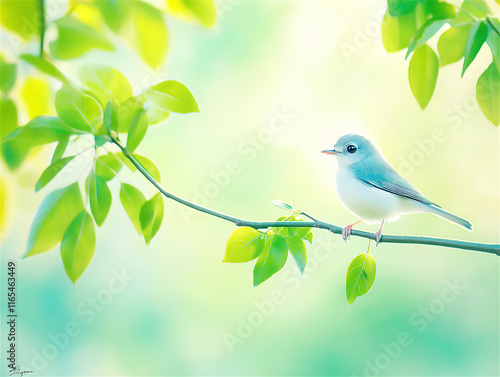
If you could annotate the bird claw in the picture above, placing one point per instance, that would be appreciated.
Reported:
(346, 232)
(378, 236)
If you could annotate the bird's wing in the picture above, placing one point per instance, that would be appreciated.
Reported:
(381, 175)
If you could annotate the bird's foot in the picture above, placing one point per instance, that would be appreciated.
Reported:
(346, 232)
(378, 236)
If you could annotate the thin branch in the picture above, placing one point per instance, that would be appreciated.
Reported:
(476, 246)
(492, 24)
(41, 4)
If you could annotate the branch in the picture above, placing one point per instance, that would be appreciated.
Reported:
(41, 4)
(482, 247)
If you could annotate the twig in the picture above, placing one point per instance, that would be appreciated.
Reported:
(476, 246)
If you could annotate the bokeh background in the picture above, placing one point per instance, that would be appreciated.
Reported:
(276, 82)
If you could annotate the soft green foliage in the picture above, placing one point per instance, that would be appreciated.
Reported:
(20, 18)
(488, 93)
(451, 44)
(150, 33)
(149, 165)
(360, 276)
(44, 66)
(108, 166)
(76, 38)
(271, 259)
(49, 173)
(202, 11)
(411, 23)
(55, 214)
(99, 107)
(7, 76)
(106, 84)
(477, 36)
(137, 130)
(78, 110)
(78, 245)
(244, 244)
(423, 73)
(171, 96)
(151, 216)
(271, 247)
(132, 200)
(100, 197)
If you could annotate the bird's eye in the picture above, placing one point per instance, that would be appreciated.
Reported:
(351, 148)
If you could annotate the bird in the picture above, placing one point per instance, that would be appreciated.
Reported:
(371, 189)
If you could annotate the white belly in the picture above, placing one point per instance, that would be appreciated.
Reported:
(370, 204)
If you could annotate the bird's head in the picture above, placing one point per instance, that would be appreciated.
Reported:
(352, 148)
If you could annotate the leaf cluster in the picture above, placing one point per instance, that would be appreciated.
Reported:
(270, 248)
(105, 108)
(411, 24)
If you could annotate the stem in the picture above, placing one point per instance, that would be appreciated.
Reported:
(482, 247)
(41, 4)
(492, 24)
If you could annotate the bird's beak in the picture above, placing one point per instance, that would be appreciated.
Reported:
(331, 151)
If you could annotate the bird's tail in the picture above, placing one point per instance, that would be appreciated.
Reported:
(460, 221)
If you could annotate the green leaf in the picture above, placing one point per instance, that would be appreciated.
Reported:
(132, 200)
(149, 166)
(55, 214)
(203, 11)
(78, 110)
(493, 41)
(478, 8)
(271, 260)
(399, 7)
(8, 117)
(244, 245)
(126, 113)
(78, 245)
(113, 13)
(110, 118)
(107, 84)
(283, 205)
(441, 10)
(42, 130)
(171, 96)
(451, 44)
(126, 161)
(309, 237)
(151, 35)
(44, 66)
(137, 130)
(50, 173)
(423, 34)
(477, 36)
(423, 73)
(99, 197)
(297, 248)
(398, 31)
(488, 93)
(108, 166)
(7, 76)
(151, 216)
(360, 276)
(76, 38)
(23, 19)
(60, 149)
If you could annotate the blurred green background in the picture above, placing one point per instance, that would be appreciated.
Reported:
(276, 82)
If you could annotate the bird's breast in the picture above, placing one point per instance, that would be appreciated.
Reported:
(369, 203)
